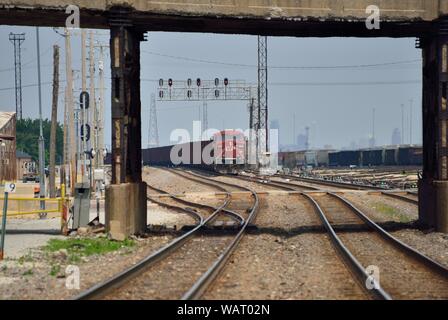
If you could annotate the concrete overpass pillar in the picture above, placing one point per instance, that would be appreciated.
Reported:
(126, 197)
(433, 186)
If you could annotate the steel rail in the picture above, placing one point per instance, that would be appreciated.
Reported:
(100, 290)
(215, 181)
(265, 183)
(234, 215)
(427, 261)
(347, 185)
(187, 211)
(400, 197)
(289, 184)
(377, 292)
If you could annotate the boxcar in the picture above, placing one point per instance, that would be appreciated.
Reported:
(410, 156)
(349, 158)
(390, 157)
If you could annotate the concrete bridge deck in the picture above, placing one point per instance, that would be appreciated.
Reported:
(270, 17)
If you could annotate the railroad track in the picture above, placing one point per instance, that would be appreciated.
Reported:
(409, 196)
(154, 270)
(211, 209)
(286, 186)
(337, 184)
(404, 272)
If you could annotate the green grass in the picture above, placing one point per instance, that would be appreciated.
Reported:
(77, 248)
(55, 269)
(392, 212)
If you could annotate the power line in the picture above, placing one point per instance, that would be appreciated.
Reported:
(358, 66)
(280, 84)
(33, 60)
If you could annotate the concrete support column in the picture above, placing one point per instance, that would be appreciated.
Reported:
(433, 193)
(126, 197)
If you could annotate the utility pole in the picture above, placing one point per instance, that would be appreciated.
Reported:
(204, 115)
(17, 39)
(54, 120)
(93, 112)
(101, 109)
(83, 116)
(410, 119)
(70, 112)
(83, 61)
(41, 133)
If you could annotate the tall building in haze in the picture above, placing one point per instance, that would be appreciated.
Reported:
(396, 137)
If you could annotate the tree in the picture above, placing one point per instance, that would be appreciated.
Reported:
(27, 131)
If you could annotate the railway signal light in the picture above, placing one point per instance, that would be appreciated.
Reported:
(161, 83)
(226, 82)
(84, 100)
(217, 93)
(198, 82)
(189, 82)
(170, 82)
(85, 132)
(161, 94)
(189, 94)
(216, 82)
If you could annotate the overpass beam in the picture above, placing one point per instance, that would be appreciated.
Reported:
(126, 198)
(433, 186)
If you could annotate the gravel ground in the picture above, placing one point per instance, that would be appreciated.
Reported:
(400, 275)
(434, 245)
(287, 212)
(159, 216)
(172, 183)
(252, 185)
(29, 277)
(382, 208)
(298, 267)
(173, 276)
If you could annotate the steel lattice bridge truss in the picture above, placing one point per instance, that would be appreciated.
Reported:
(206, 90)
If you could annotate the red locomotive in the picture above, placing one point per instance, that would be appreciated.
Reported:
(229, 151)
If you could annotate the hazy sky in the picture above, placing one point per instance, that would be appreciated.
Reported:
(336, 102)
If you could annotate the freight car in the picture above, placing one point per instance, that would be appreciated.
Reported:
(185, 154)
(388, 156)
(410, 156)
(224, 153)
(372, 157)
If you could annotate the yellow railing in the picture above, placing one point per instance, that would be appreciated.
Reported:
(20, 206)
